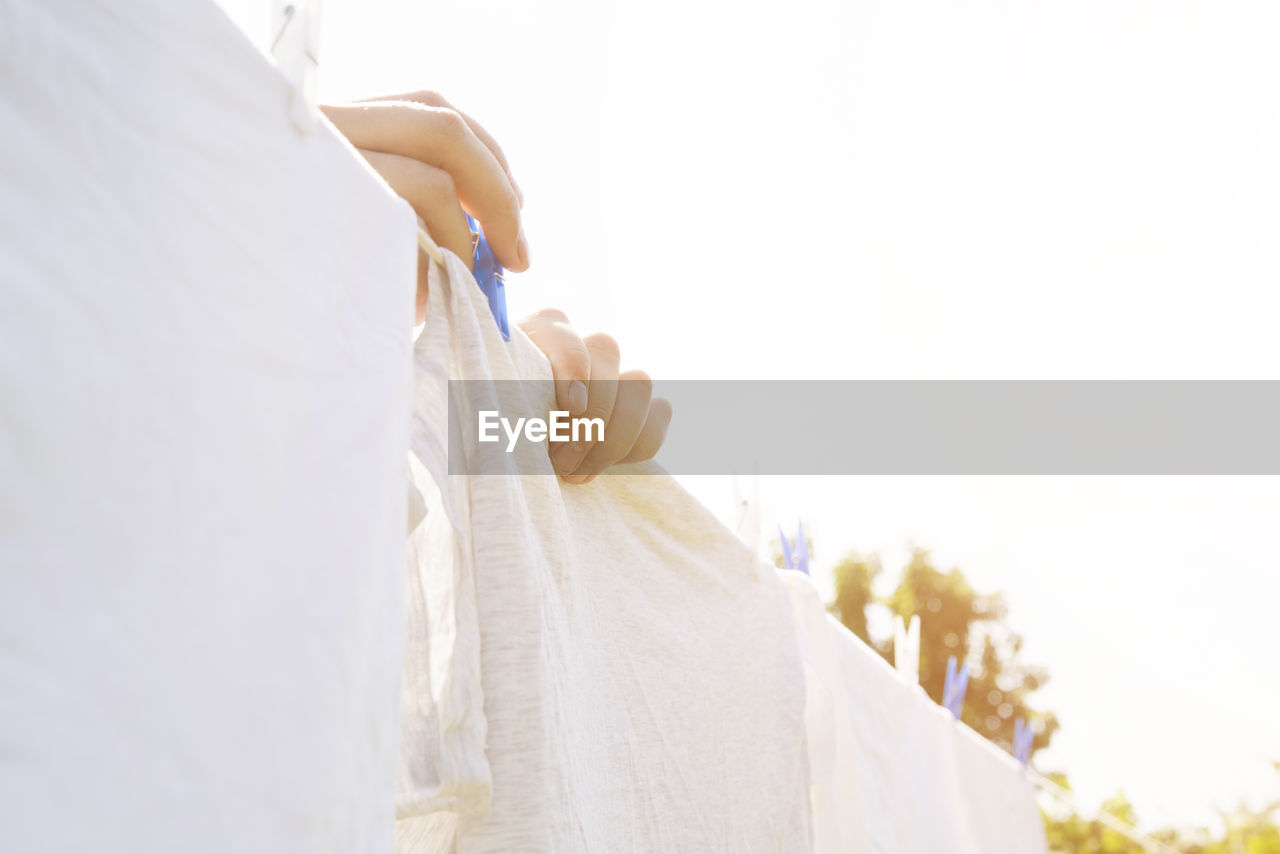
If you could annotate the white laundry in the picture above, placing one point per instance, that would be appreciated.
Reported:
(999, 800)
(204, 394)
(204, 382)
(901, 777)
(590, 668)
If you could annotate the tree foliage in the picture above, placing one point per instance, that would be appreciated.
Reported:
(954, 620)
(855, 577)
(957, 620)
(1248, 831)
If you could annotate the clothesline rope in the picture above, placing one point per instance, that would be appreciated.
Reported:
(1120, 826)
(428, 245)
(906, 663)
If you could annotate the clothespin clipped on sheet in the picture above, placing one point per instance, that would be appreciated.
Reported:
(955, 687)
(1023, 737)
(489, 275)
(788, 559)
(799, 558)
(295, 47)
(802, 549)
(906, 648)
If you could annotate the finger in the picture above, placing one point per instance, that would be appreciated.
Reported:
(420, 303)
(602, 391)
(630, 410)
(435, 99)
(648, 442)
(440, 137)
(653, 434)
(550, 331)
(431, 194)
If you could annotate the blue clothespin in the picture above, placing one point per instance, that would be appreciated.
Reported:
(488, 273)
(799, 558)
(1023, 736)
(954, 689)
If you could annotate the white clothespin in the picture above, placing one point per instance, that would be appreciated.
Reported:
(747, 503)
(295, 46)
(906, 648)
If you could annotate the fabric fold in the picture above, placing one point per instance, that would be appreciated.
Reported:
(902, 776)
(631, 665)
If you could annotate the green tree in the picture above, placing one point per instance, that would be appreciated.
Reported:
(1249, 831)
(1072, 834)
(957, 620)
(855, 579)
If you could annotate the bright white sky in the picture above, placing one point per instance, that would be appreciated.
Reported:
(931, 189)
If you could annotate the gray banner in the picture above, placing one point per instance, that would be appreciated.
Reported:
(921, 427)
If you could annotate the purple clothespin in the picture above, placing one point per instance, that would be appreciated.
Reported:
(954, 689)
(489, 276)
(799, 558)
(1023, 736)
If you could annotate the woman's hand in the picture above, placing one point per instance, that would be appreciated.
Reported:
(589, 383)
(442, 162)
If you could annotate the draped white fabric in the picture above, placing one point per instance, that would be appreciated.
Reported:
(205, 333)
(899, 776)
(608, 668)
(207, 387)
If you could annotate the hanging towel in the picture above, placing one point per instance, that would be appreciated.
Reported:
(903, 776)
(205, 336)
(590, 668)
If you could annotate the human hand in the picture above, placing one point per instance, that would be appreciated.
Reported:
(589, 384)
(442, 162)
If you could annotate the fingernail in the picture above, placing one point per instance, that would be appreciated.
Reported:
(578, 396)
(522, 248)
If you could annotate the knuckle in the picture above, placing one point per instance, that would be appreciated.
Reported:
(432, 97)
(439, 184)
(660, 409)
(432, 187)
(449, 122)
(639, 382)
(575, 363)
(601, 344)
(598, 410)
(552, 315)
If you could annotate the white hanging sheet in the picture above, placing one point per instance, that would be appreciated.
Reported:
(901, 776)
(205, 339)
(591, 668)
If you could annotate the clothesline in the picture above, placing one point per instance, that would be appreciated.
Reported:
(1120, 826)
(1047, 786)
(905, 664)
(427, 244)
